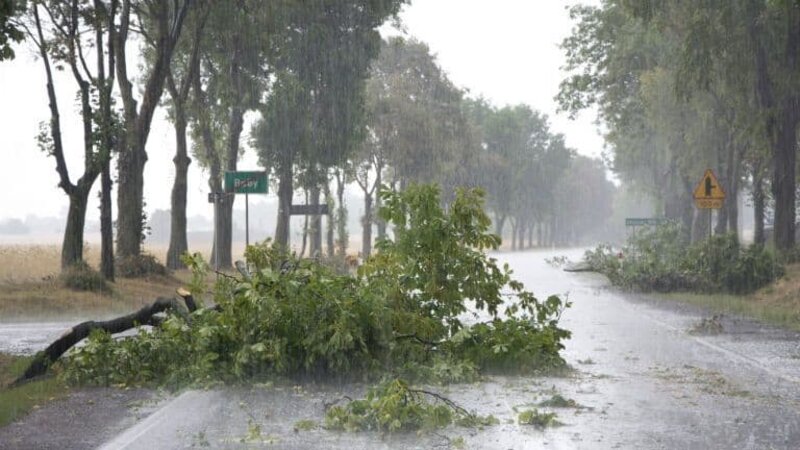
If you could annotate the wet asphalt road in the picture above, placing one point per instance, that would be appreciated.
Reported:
(645, 383)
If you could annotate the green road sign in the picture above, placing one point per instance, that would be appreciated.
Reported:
(246, 182)
(640, 222)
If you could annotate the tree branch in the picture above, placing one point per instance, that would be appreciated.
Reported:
(145, 316)
(55, 119)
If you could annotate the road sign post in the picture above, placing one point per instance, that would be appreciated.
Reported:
(709, 195)
(243, 182)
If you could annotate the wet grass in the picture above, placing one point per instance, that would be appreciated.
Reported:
(31, 289)
(777, 304)
(781, 312)
(17, 401)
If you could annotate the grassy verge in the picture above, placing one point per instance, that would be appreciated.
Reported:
(777, 304)
(18, 401)
(30, 287)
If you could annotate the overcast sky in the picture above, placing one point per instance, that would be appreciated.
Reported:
(504, 50)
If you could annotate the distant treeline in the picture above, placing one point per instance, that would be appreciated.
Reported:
(682, 86)
(337, 105)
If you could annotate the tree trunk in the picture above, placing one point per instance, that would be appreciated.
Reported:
(701, 225)
(329, 220)
(223, 232)
(366, 236)
(530, 235)
(499, 224)
(514, 226)
(178, 243)
(781, 117)
(539, 237)
(759, 201)
(132, 152)
(106, 224)
(130, 201)
(521, 239)
(341, 215)
(72, 247)
(305, 229)
(285, 194)
(315, 247)
(378, 181)
(784, 181)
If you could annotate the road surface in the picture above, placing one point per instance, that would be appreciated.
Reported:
(644, 380)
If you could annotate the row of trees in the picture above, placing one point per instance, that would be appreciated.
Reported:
(217, 60)
(684, 85)
(421, 128)
(336, 103)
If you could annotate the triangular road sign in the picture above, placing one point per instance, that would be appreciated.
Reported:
(709, 188)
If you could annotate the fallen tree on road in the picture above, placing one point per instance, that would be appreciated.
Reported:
(290, 317)
(147, 315)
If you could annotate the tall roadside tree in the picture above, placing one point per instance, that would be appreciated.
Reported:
(184, 69)
(686, 85)
(62, 33)
(165, 19)
(232, 78)
(321, 56)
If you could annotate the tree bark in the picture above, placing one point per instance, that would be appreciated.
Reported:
(784, 182)
(514, 226)
(759, 202)
(106, 87)
(366, 236)
(499, 224)
(378, 204)
(329, 220)
(137, 119)
(315, 232)
(72, 247)
(235, 127)
(178, 242)
(341, 216)
(145, 316)
(781, 118)
(106, 224)
(305, 228)
(700, 226)
(285, 194)
(530, 235)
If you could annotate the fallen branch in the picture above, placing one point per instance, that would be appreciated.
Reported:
(453, 405)
(145, 316)
(414, 337)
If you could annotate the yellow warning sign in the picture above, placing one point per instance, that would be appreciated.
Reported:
(709, 193)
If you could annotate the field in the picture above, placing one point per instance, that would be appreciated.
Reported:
(30, 287)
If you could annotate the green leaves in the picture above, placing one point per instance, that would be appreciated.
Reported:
(393, 406)
(658, 259)
(401, 314)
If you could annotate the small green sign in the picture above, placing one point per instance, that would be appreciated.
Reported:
(246, 182)
(640, 222)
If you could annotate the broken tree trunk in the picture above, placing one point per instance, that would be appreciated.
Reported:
(145, 316)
